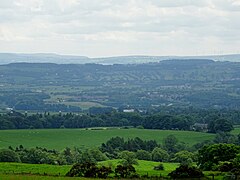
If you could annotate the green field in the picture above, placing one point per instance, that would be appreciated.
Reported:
(20, 171)
(61, 138)
(236, 130)
(143, 168)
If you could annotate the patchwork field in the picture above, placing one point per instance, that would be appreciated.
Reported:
(61, 138)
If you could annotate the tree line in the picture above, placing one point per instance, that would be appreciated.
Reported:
(162, 120)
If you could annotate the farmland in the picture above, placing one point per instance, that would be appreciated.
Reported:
(142, 168)
(61, 138)
(75, 88)
(40, 171)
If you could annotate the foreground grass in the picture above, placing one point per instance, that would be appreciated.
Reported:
(143, 168)
(41, 171)
(146, 167)
(36, 169)
(61, 138)
(35, 177)
(20, 171)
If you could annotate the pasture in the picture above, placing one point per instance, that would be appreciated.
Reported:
(20, 171)
(143, 168)
(60, 138)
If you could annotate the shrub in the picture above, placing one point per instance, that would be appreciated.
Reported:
(143, 155)
(7, 155)
(159, 167)
(125, 171)
(89, 169)
(184, 171)
(159, 155)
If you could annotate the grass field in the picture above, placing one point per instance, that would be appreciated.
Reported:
(236, 130)
(61, 138)
(19, 171)
(36, 177)
(143, 168)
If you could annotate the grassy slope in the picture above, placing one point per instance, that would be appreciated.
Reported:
(61, 138)
(10, 171)
(143, 168)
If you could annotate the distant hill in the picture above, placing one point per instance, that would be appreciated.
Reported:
(66, 87)
(6, 58)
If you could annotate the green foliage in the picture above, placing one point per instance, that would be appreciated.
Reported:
(184, 171)
(172, 145)
(225, 137)
(83, 170)
(128, 158)
(143, 155)
(36, 156)
(159, 167)
(93, 155)
(226, 166)
(7, 155)
(116, 144)
(122, 171)
(219, 125)
(184, 157)
(210, 156)
(159, 155)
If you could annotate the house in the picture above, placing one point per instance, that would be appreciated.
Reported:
(199, 127)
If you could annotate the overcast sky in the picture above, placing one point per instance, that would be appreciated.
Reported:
(97, 28)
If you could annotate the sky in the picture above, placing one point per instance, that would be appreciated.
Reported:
(100, 28)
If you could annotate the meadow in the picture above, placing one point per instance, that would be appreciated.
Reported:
(84, 138)
(143, 168)
(20, 171)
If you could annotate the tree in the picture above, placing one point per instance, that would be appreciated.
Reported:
(103, 172)
(93, 155)
(170, 143)
(159, 155)
(36, 156)
(7, 155)
(184, 171)
(225, 137)
(128, 158)
(184, 157)
(210, 156)
(125, 171)
(218, 125)
(83, 170)
(143, 155)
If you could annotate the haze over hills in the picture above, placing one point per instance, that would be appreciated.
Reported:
(6, 58)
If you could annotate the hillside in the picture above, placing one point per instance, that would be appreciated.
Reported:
(68, 87)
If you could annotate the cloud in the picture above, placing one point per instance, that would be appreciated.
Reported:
(102, 27)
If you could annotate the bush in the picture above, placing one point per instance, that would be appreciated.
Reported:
(7, 155)
(184, 171)
(159, 155)
(90, 170)
(159, 167)
(143, 155)
(125, 171)
(225, 167)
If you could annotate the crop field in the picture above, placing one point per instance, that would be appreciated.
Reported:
(61, 138)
